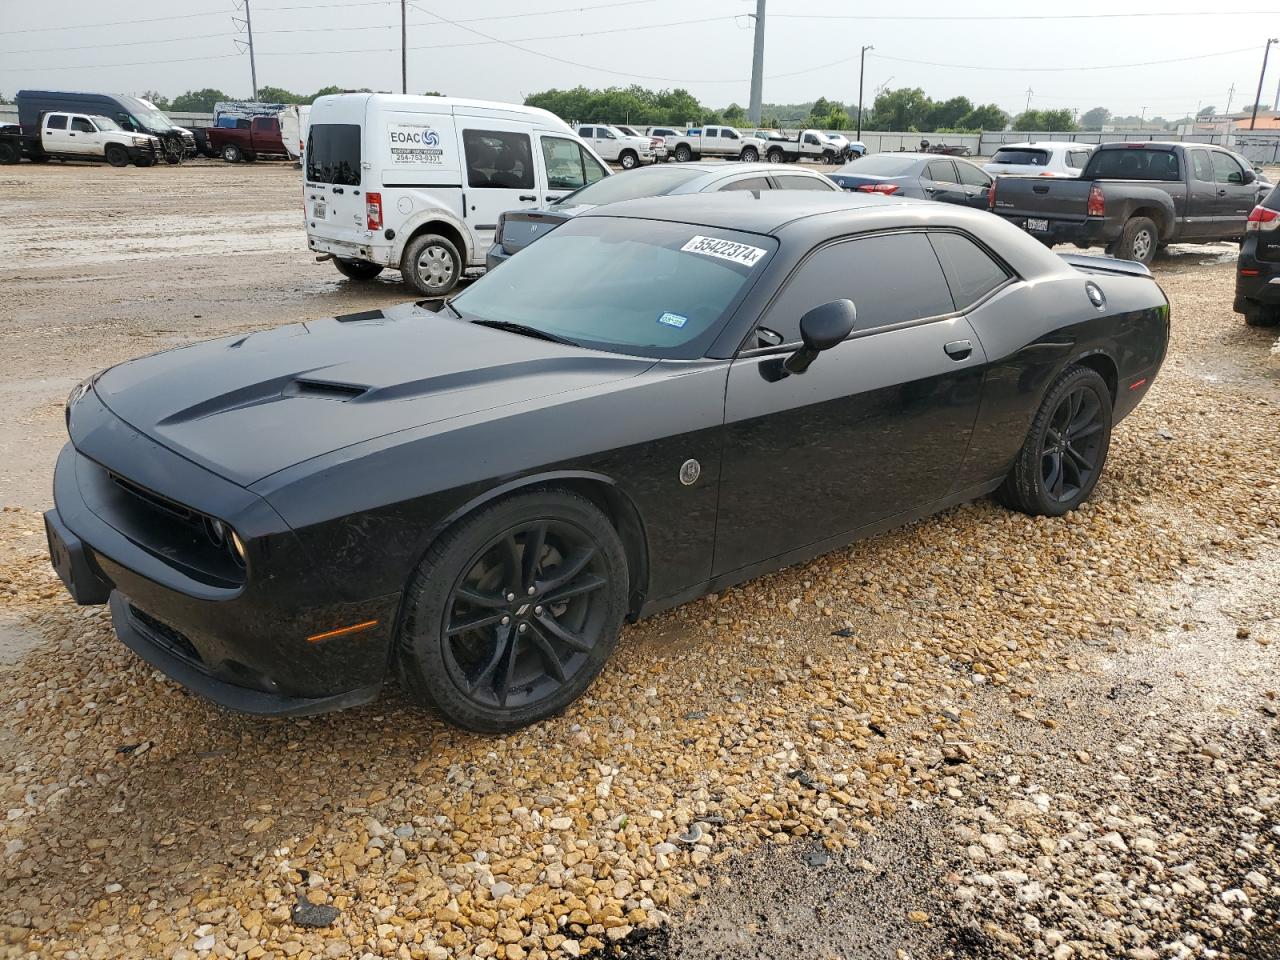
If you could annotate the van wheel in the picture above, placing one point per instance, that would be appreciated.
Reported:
(683, 153)
(750, 155)
(431, 265)
(628, 159)
(231, 153)
(117, 155)
(357, 269)
(1138, 240)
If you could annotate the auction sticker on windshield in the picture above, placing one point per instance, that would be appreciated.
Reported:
(725, 250)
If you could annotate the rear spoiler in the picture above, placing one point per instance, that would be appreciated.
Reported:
(1126, 268)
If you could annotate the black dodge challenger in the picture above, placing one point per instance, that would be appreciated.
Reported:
(663, 397)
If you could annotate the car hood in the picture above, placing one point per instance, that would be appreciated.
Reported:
(250, 405)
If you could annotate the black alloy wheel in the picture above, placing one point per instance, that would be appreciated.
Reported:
(513, 612)
(1066, 448)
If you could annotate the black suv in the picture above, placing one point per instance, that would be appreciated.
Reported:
(1258, 269)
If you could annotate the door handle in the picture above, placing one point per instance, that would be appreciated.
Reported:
(958, 349)
(1222, 193)
(930, 190)
(528, 196)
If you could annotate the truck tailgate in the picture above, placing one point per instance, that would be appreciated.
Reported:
(1052, 198)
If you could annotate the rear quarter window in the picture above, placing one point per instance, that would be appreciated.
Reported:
(970, 271)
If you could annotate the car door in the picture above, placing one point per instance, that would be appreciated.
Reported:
(878, 425)
(566, 166)
(939, 181)
(810, 145)
(1202, 197)
(605, 143)
(83, 136)
(500, 173)
(974, 182)
(55, 136)
(1235, 197)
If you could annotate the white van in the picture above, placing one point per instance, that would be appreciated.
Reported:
(417, 183)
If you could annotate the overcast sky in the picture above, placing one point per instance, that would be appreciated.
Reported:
(306, 44)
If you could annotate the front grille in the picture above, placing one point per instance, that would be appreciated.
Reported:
(165, 636)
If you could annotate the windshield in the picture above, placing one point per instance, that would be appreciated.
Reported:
(153, 120)
(651, 182)
(880, 165)
(1128, 163)
(333, 153)
(105, 123)
(644, 287)
(1034, 158)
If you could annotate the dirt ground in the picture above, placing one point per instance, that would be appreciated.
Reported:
(980, 736)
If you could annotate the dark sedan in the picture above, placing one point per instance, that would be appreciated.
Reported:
(1258, 266)
(519, 228)
(477, 498)
(921, 176)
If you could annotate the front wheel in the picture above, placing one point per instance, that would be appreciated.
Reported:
(750, 155)
(1139, 240)
(117, 155)
(828, 156)
(1064, 453)
(357, 269)
(431, 265)
(231, 153)
(628, 160)
(513, 612)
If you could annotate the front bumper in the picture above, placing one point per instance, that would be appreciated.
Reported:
(244, 646)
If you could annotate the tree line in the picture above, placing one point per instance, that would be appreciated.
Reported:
(202, 101)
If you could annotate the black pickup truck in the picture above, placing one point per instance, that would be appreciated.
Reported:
(1133, 198)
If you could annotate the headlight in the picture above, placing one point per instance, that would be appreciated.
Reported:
(77, 394)
(139, 141)
(237, 548)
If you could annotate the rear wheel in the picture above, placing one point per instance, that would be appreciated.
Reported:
(775, 155)
(231, 153)
(513, 612)
(1066, 448)
(683, 153)
(431, 265)
(116, 155)
(1139, 240)
(750, 155)
(9, 152)
(357, 269)
(1261, 315)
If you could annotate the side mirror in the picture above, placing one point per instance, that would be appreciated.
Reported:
(1249, 176)
(821, 329)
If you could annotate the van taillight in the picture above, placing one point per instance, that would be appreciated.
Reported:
(373, 210)
(1097, 203)
(1262, 218)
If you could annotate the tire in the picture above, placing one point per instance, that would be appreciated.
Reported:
(144, 162)
(628, 160)
(10, 153)
(775, 155)
(250, 157)
(750, 155)
(231, 153)
(357, 269)
(1139, 240)
(464, 672)
(683, 153)
(828, 156)
(1260, 314)
(116, 155)
(431, 265)
(1072, 428)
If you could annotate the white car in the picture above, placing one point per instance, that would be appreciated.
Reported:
(628, 151)
(1042, 158)
(417, 183)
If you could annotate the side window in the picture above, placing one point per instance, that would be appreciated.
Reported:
(606, 134)
(586, 133)
(970, 272)
(81, 125)
(804, 183)
(564, 162)
(870, 272)
(1225, 168)
(498, 159)
(730, 134)
(592, 169)
(811, 138)
(1202, 166)
(748, 183)
(56, 121)
(971, 176)
(1077, 159)
(941, 171)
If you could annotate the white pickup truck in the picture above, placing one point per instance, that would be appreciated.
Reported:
(714, 142)
(77, 136)
(805, 145)
(628, 151)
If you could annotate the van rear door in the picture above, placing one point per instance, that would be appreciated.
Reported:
(335, 172)
(500, 173)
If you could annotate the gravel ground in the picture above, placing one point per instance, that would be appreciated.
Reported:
(984, 735)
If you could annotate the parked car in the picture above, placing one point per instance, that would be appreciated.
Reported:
(663, 398)
(132, 114)
(723, 142)
(291, 119)
(1134, 198)
(519, 228)
(1040, 158)
(76, 136)
(611, 143)
(658, 143)
(247, 139)
(417, 183)
(923, 176)
(1258, 266)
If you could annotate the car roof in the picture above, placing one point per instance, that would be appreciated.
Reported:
(765, 211)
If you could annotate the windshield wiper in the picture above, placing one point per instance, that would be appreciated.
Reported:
(521, 329)
(452, 309)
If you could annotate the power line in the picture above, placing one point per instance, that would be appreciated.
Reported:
(1107, 66)
(136, 63)
(126, 43)
(1003, 17)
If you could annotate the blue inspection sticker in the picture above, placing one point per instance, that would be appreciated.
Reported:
(673, 320)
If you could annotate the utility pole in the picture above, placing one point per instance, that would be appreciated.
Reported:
(1262, 76)
(1142, 119)
(862, 68)
(1029, 92)
(1231, 95)
(757, 67)
(253, 66)
(404, 49)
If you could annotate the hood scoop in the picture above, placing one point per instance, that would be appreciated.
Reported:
(268, 391)
(324, 389)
